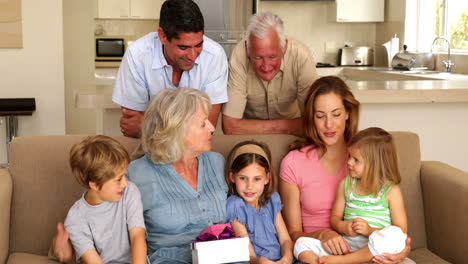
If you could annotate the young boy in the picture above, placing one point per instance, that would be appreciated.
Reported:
(106, 225)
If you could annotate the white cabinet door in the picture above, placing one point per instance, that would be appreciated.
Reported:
(360, 10)
(113, 8)
(145, 9)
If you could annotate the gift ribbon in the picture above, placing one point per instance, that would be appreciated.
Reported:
(225, 234)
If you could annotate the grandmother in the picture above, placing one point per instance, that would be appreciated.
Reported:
(181, 182)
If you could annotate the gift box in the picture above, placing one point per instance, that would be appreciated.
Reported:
(218, 244)
(221, 251)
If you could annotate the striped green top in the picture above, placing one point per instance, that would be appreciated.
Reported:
(375, 210)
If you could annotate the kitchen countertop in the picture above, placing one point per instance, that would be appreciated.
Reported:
(382, 85)
(369, 85)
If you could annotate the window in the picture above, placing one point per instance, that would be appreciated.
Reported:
(444, 18)
(452, 21)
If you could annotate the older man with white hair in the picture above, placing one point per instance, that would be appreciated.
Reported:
(269, 80)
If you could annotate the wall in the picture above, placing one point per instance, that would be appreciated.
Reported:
(311, 23)
(78, 45)
(36, 70)
(135, 28)
(460, 61)
(441, 127)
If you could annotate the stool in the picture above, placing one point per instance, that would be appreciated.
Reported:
(11, 108)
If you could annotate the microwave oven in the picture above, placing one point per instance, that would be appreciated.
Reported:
(110, 48)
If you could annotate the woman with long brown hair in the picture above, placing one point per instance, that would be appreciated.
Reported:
(312, 170)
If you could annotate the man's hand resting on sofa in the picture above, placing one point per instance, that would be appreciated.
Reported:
(63, 249)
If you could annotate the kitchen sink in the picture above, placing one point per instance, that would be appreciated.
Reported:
(414, 71)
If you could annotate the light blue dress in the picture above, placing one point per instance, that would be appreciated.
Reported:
(174, 212)
(260, 224)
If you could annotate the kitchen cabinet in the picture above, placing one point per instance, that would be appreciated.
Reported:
(358, 10)
(129, 9)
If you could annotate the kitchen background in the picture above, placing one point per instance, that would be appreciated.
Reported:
(57, 62)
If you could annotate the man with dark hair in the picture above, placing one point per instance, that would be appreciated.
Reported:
(177, 55)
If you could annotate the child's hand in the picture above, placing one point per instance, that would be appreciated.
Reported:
(285, 260)
(348, 229)
(361, 226)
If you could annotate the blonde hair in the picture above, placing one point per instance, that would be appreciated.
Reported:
(322, 86)
(236, 163)
(380, 158)
(166, 120)
(97, 159)
(261, 24)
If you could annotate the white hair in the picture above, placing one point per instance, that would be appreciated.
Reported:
(166, 119)
(260, 25)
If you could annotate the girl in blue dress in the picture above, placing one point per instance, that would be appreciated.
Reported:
(253, 207)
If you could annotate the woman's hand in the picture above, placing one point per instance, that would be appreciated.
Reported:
(394, 259)
(361, 226)
(334, 244)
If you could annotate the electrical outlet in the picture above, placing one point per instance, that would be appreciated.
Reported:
(330, 47)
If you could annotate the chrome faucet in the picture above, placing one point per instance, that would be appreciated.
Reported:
(448, 64)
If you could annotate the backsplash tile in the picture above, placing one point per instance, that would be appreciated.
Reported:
(135, 28)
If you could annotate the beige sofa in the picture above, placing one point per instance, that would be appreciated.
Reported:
(38, 189)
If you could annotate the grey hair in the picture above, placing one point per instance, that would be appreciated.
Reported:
(166, 120)
(261, 24)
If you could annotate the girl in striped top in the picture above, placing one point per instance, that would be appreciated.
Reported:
(369, 209)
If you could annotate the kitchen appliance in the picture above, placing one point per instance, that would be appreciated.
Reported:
(226, 20)
(110, 50)
(324, 65)
(356, 56)
(407, 60)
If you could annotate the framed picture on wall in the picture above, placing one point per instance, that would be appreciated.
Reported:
(11, 35)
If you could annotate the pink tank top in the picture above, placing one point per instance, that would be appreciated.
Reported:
(317, 187)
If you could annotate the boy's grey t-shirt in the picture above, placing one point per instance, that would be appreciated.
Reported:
(105, 227)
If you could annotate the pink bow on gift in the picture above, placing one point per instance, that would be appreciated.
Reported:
(216, 232)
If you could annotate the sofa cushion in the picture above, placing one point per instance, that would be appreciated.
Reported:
(423, 255)
(23, 258)
(409, 156)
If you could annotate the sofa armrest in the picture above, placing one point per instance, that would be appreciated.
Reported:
(445, 196)
(6, 187)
